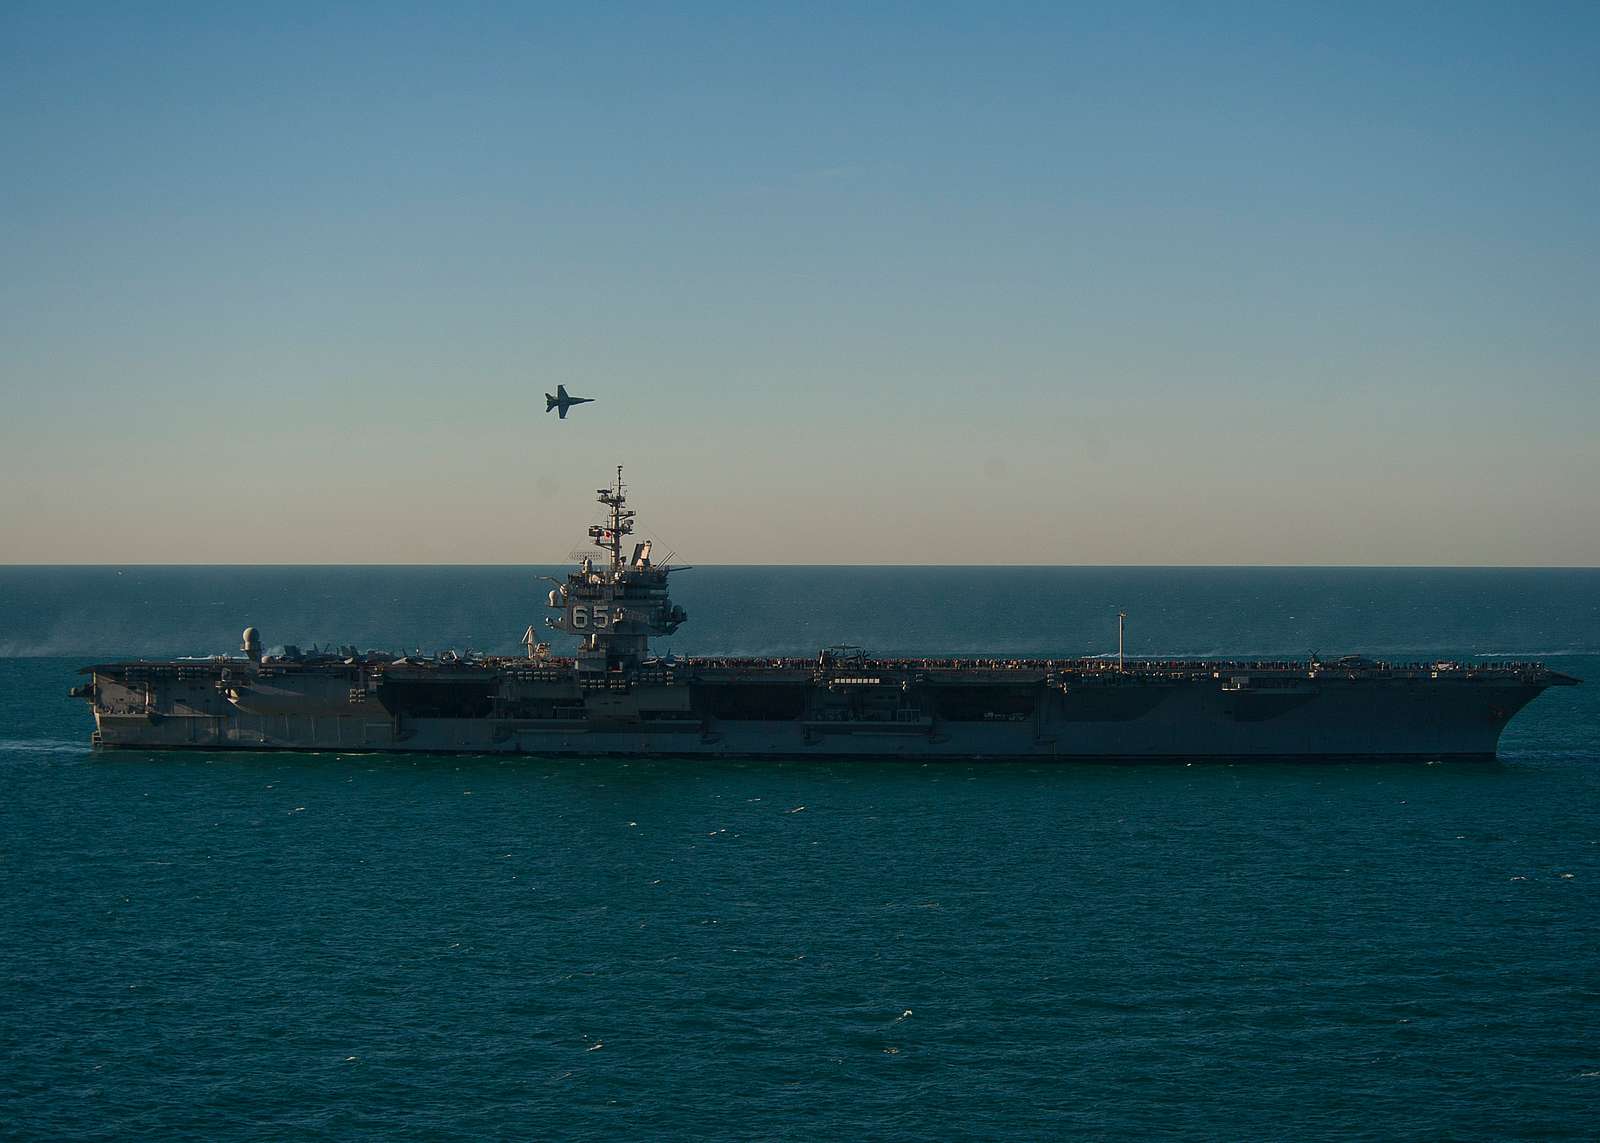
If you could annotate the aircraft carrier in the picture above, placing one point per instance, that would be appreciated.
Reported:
(613, 697)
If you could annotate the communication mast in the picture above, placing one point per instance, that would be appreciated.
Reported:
(609, 535)
(614, 608)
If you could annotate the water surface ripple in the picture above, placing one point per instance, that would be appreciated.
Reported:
(326, 947)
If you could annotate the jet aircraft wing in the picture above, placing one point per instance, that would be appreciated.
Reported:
(563, 401)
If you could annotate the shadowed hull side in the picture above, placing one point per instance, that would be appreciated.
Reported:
(1183, 722)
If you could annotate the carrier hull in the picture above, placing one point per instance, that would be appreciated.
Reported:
(612, 697)
(898, 712)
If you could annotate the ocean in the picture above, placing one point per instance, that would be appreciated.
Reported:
(327, 946)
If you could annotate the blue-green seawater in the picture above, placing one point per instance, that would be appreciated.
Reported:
(320, 946)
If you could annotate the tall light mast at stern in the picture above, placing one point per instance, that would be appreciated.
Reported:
(615, 608)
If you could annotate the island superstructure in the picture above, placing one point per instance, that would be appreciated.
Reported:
(612, 696)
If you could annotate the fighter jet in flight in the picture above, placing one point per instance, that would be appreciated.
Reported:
(562, 401)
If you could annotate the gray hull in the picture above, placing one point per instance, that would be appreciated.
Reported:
(613, 697)
(1155, 720)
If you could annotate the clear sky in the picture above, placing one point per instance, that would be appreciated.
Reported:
(885, 283)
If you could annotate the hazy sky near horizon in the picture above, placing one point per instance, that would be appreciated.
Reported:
(890, 283)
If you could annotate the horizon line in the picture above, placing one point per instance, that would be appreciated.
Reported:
(983, 566)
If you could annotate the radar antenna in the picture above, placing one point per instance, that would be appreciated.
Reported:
(614, 609)
(619, 524)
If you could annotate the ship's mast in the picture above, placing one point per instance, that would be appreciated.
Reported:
(620, 523)
(616, 609)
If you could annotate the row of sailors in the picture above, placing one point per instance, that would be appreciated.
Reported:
(1097, 664)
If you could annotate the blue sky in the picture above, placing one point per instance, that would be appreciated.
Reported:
(891, 284)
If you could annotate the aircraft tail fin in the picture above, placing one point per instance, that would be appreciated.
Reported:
(549, 402)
